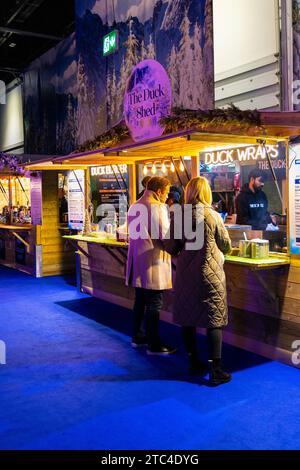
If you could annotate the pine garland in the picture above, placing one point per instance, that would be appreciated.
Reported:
(11, 164)
(109, 139)
(229, 119)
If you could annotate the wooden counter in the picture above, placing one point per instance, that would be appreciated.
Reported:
(18, 247)
(263, 295)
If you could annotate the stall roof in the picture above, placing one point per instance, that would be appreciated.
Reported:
(276, 126)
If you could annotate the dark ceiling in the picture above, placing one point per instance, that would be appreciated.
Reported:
(28, 28)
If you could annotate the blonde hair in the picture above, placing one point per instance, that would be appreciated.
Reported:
(198, 190)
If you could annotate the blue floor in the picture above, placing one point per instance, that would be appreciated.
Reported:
(72, 381)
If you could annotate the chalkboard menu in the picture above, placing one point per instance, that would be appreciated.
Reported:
(109, 184)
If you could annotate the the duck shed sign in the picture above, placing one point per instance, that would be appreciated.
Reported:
(148, 97)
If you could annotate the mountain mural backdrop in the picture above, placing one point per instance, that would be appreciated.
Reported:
(72, 93)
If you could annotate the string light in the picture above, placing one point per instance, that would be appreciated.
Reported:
(172, 167)
(145, 170)
(153, 169)
(164, 168)
(181, 166)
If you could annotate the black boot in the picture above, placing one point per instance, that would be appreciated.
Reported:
(196, 367)
(217, 376)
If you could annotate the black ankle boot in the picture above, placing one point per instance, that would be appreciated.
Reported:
(196, 367)
(217, 376)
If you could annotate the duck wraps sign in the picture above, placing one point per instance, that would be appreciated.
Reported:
(148, 98)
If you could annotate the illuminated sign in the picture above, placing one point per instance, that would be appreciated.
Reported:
(240, 154)
(148, 98)
(108, 169)
(110, 42)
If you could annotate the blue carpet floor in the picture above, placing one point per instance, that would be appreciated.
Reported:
(72, 381)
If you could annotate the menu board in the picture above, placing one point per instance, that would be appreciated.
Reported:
(36, 198)
(294, 199)
(109, 184)
(76, 199)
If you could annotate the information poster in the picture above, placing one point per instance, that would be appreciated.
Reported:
(294, 199)
(36, 198)
(109, 186)
(76, 199)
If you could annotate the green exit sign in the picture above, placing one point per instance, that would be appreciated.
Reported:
(110, 42)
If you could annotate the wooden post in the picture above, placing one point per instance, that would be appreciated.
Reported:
(195, 166)
(132, 182)
(10, 195)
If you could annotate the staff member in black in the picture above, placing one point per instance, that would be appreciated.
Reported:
(252, 203)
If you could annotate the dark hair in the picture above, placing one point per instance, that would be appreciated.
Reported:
(145, 181)
(256, 173)
(175, 196)
(158, 182)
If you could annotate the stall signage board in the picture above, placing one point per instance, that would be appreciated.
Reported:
(294, 199)
(251, 153)
(109, 184)
(36, 198)
(110, 42)
(148, 98)
(76, 199)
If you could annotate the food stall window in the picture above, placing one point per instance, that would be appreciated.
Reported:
(15, 200)
(228, 171)
(178, 171)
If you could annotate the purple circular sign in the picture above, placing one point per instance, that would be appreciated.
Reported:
(148, 97)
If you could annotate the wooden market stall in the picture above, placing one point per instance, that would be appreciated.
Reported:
(263, 295)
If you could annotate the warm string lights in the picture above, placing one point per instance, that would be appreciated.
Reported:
(151, 168)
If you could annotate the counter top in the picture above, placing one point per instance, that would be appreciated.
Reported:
(16, 227)
(275, 260)
(97, 240)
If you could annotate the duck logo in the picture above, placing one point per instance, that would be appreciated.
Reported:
(2, 352)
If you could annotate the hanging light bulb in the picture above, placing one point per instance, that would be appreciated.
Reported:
(181, 166)
(153, 169)
(145, 170)
(172, 167)
(164, 168)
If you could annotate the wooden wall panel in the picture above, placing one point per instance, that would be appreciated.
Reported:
(57, 256)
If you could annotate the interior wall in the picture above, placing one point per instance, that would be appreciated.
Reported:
(11, 120)
(246, 53)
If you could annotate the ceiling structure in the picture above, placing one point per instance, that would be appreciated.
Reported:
(28, 28)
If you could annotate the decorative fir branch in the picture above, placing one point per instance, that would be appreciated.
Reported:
(12, 164)
(231, 118)
(109, 139)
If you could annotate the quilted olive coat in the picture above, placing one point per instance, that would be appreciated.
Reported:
(200, 286)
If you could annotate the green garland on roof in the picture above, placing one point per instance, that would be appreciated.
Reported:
(109, 139)
(231, 118)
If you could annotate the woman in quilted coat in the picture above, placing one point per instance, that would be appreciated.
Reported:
(200, 285)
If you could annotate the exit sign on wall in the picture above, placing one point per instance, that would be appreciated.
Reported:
(110, 43)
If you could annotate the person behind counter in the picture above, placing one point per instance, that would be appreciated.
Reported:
(252, 203)
(148, 265)
(144, 184)
(200, 286)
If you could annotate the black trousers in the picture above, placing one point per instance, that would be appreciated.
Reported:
(214, 341)
(150, 302)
